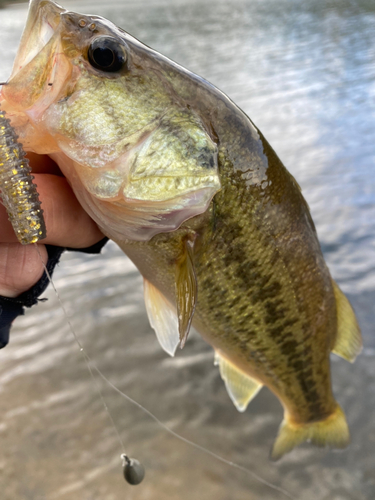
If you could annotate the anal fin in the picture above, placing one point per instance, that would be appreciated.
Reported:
(186, 291)
(348, 342)
(163, 318)
(240, 387)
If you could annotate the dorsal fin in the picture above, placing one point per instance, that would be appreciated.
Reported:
(240, 387)
(348, 342)
(186, 291)
(163, 318)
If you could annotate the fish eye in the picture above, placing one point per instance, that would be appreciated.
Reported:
(107, 54)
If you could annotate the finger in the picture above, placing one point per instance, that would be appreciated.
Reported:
(68, 225)
(20, 267)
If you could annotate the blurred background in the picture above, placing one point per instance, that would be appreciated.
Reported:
(305, 73)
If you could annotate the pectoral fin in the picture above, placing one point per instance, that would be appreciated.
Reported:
(240, 387)
(348, 341)
(163, 318)
(186, 292)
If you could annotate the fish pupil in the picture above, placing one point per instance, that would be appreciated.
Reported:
(107, 54)
(104, 57)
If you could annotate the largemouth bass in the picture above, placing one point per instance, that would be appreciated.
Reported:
(182, 180)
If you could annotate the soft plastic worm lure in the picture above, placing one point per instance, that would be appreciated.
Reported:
(18, 192)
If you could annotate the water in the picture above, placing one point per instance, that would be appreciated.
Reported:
(305, 73)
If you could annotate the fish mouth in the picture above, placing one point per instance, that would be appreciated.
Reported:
(42, 22)
(39, 73)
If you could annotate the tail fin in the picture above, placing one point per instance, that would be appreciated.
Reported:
(332, 431)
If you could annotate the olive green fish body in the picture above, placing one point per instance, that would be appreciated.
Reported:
(174, 172)
(255, 305)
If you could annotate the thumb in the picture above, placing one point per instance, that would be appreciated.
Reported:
(20, 267)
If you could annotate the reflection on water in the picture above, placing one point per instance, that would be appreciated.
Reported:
(305, 73)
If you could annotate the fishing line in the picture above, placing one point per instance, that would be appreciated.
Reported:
(133, 469)
(20, 197)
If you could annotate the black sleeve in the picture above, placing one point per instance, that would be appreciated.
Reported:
(10, 308)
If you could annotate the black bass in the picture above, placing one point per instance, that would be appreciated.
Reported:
(181, 179)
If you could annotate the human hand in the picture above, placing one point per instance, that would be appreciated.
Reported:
(68, 225)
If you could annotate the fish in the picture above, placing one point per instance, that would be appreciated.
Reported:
(189, 188)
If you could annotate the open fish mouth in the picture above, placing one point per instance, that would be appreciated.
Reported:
(39, 73)
(42, 22)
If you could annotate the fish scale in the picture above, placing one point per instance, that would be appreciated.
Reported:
(231, 242)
